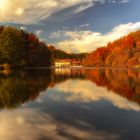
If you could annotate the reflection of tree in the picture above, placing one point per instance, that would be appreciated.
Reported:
(123, 82)
(62, 74)
(18, 87)
(21, 87)
(11, 90)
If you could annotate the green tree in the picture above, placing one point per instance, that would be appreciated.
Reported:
(11, 46)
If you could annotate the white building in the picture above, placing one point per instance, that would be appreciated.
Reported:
(63, 63)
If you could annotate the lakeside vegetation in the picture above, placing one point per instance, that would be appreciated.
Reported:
(122, 53)
(19, 48)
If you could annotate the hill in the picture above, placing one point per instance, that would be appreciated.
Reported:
(19, 48)
(59, 54)
(122, 53)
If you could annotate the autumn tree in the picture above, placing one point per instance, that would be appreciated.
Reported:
(124, 52)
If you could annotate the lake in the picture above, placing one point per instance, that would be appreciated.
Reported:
(70, 104)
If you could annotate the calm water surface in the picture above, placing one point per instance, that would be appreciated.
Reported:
(70, 104)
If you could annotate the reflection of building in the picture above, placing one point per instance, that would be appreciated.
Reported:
(76, 63)
(69, 72)
(67, 63)
(64, 71)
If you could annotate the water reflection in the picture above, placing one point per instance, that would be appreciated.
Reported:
(21, 86)
(70, 104)
(124, 82)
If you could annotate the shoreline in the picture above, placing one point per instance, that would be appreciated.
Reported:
(52, 67)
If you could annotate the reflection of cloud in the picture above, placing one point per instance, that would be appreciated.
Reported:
(25, 124)
(86, 91)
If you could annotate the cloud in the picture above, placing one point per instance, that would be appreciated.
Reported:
(31, 11)
(35, 11)
(119, 1)
(83, 7)
(84, 25)
(87, 41)
(38, 32)
(23, 28)
(57, 34)
(125, 1)
(89, 92)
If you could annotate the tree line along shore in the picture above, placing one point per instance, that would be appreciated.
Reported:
(18, 48)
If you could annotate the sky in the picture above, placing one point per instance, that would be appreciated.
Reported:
(73, 25)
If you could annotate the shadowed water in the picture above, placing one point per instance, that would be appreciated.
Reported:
(70, 104)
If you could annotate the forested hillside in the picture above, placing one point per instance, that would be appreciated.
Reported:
(124, 52)
(59, 54)
(19, 48)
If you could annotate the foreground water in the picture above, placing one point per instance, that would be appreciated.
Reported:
(70, 104)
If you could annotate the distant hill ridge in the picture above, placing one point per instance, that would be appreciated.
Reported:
(60, 54)
(122, 53)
